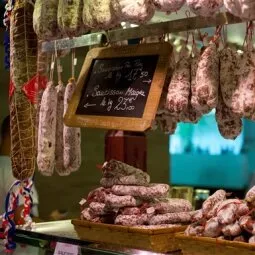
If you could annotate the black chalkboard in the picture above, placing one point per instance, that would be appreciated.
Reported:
(118, 86)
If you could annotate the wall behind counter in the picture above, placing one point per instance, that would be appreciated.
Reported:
(65, 192)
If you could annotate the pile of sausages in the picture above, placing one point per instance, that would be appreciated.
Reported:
(127, 198)
(221, 79)
(228, 219)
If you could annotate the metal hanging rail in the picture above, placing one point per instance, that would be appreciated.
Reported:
(154, 29)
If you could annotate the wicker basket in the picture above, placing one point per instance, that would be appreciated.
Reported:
(212, 246)
(158, 240)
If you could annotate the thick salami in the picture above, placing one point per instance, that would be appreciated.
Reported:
(23, 47)
(246, 84)
(168, 5)
(205, 8)
(205, 92)
(150, 192)
(59, 151)
(179, 88)
(191, 115)
(47, 131)
(229, 65)
(45, 19)
(229, 123)
(243, 9)
(70, 17)
(72, 136)
(139, 11)
(99, 14)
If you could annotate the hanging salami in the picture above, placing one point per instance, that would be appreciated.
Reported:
(72, 136)
(70, 17)
(23, 45)
(205, 91)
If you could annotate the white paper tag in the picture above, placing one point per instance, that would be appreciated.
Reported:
(52, 65)
(66, 249)
(75, 61)
(83, 201)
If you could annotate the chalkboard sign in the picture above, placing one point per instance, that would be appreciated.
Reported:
(120, 87)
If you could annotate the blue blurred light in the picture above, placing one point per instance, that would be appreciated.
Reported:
(203, 137)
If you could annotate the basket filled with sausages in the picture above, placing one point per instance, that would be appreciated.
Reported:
(222, 226)
(128, 203)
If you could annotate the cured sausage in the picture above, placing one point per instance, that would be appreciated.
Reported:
(97, 208)
(115, 168)
(139, 11)
(138, 180)
(205, 91)
(229, 65)
(168, 5)
(59, 151)
(47, 131)
(229, 123)
(212, 228)
(233, 229)
(243, 9)
(206, 8)
(172, 205)
(211, 201)
(99, 14)
(23, 46)
(70, 17)
(150, 192)
(194, 230)
(131, 220)
(98, 195)
(179, 88)
(72, 136)
(45, 19)
(227, 215)
(246, 84)
(171, 218)
(114, 201)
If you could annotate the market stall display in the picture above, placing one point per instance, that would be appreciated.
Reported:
(158, 93)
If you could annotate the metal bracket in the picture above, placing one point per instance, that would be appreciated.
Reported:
(155, 29)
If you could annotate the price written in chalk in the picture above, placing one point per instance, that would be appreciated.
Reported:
(118, 86)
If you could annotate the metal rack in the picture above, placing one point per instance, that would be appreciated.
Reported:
(155, 29)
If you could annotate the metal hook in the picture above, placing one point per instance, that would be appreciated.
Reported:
(105, 39)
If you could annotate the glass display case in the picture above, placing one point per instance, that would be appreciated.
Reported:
(43, 238)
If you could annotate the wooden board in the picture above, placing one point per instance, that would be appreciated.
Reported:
(120, 87)
(157, 240)
(212, 246)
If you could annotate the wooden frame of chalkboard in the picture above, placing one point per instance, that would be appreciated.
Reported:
(120, 87)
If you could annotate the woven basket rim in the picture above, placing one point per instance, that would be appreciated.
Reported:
(167, 230)
(215, 241)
